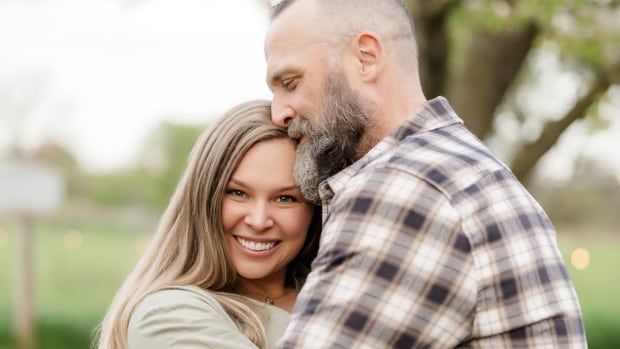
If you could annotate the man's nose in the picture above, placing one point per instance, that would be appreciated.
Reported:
(282, 115)
(259, 217)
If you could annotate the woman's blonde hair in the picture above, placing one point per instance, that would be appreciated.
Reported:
(188, 247)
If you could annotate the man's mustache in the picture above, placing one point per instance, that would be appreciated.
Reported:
(299, 127)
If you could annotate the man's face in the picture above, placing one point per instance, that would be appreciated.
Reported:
(312, 97)
(330, 142)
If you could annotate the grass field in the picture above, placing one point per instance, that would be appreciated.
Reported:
(598, 285)
(79, 266)
(78, 269)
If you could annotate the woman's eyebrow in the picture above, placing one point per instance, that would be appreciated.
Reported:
(245, 185)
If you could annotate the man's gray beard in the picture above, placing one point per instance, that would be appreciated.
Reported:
(333, 140)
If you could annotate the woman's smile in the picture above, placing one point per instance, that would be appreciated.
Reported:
(257, 248)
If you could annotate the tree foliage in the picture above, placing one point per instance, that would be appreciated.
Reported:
(480, 54)
(165, 158)
(153, 180)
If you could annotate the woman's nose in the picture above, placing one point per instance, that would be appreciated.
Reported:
(259, 217)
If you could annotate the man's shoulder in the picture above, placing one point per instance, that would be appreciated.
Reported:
(452, 144)
(449, 159)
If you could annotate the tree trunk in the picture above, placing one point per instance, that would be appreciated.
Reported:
(430, 18)
(492, 63)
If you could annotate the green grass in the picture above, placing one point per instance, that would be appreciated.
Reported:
(598, 285)
(76, 285)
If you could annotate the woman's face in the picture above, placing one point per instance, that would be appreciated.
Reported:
(264, 214)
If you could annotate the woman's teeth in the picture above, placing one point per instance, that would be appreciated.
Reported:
(255, 246)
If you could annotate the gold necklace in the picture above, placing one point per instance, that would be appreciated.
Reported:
(270, 300)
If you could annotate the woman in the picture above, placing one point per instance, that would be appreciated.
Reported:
(232, 249)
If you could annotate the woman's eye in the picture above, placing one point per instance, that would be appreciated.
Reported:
(235, 193)
(287, 199)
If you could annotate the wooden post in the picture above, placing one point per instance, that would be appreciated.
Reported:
(27, 190)
(24, 312)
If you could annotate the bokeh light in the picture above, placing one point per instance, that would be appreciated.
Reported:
(73, 239)
(580, 258)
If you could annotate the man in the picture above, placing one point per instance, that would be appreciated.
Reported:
(428, 239)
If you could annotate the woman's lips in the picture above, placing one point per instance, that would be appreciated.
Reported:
(257, 248)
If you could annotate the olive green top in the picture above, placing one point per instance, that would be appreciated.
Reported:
(189, 317)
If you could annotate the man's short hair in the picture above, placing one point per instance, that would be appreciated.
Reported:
(279, 7)
(343, 19)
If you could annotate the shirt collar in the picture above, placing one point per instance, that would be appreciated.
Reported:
(434, 114)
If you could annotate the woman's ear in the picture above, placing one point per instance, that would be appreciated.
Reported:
(369, 52)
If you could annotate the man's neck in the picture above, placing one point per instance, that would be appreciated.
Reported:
(382, 123)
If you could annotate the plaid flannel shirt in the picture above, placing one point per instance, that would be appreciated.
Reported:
(430, 241)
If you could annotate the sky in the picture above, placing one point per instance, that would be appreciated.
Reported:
(106, 73)
(99, 75)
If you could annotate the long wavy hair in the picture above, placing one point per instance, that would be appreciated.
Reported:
(188, 247)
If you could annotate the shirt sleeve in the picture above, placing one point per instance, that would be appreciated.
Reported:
(179, 318)
(393, 270)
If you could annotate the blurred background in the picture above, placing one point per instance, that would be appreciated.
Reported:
(102, 100)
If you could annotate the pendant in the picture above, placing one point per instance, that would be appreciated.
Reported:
(269, 300)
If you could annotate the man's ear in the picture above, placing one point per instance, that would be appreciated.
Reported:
(369, 51)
